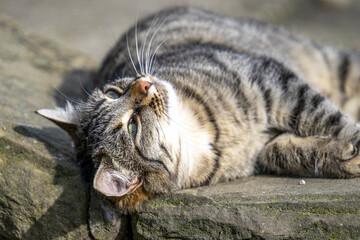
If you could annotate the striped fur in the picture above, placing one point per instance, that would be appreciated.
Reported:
(229, 98)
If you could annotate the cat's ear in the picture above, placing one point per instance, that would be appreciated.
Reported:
(67, 118)
(114, 183)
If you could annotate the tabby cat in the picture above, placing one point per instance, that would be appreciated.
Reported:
(188, 98)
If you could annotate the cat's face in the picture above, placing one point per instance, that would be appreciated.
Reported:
(126, 130)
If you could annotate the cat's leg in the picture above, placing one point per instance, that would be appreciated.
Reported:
(316, 138)
(293, 106)
(344, 73)
(309, 156)
(349, 82)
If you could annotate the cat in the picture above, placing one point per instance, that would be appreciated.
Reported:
(189, 98)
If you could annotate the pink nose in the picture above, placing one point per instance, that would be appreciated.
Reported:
(143, 86)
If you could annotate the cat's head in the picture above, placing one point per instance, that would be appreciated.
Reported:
(126, 132)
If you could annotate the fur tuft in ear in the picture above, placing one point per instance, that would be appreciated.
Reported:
(113, 183)
(67, 118)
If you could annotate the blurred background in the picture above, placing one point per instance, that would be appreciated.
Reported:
(92, 26)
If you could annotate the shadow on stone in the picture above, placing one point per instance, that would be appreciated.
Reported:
(66, 173)
(62, 218)
(76, 85)
(54, 139)
(59, 145)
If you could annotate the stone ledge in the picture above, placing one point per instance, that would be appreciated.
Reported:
(259, 207)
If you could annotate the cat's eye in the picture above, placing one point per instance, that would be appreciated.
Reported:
(112, 94)
(132, 128)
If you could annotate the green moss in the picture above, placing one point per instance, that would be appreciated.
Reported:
(330, 209)
(161, 203)
(298, 212)
(323, 231)
(299, 208)
(321, 210)
(196, 229)
(327, 198)
(283, 199)
(177, 201)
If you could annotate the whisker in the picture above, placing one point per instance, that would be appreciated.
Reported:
(143, 50)
(132, 70)
(141, 55)
(68, 98)
(136, 44)
(82, 86)
(131, 59)
(158, 70)
(154, 54)
(152, 37)
(124, 69)
(116, 75)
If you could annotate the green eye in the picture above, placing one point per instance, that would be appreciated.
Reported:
(132, 127)
(112, 94)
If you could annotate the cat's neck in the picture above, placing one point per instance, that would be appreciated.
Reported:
(195, 151)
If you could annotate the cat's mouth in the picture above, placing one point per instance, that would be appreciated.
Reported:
(159, 99)
(149, 91)
(158, 104)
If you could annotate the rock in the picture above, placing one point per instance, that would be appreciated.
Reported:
(260, 207)
(105, 223)
(42, 195)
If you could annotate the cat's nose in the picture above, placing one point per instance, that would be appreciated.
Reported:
(143, 86)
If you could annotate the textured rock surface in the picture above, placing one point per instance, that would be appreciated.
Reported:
(42, 195)
(260, 207)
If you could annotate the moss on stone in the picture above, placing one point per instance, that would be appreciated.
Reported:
(321, 231)
(183, 216)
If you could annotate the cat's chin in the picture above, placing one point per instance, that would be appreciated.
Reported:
(132, 201)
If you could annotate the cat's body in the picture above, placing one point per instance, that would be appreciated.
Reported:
(227, 98)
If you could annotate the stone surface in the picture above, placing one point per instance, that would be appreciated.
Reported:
(105, 223)
(42, 195)
(260, 207)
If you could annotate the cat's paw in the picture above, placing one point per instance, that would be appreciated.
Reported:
(350, 158)
(342, 159)
(342, 150)
(348, 151)
(352, 166)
